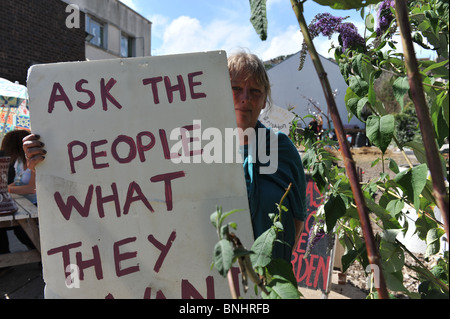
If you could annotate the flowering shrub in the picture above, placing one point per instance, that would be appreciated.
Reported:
(361, 65)
(407, 125)
(385, 16)
(362, 61)
(327, 25)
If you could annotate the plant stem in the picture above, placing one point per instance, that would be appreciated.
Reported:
(372, 250)
(231, 285)
(426, 126)
(283, 198)
(422, 269)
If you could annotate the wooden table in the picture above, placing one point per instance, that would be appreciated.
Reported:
(27, 218)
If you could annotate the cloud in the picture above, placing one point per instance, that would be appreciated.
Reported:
(283, 43)
(186, 34)
(271, 3)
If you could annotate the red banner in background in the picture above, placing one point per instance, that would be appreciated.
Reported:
(312, 272)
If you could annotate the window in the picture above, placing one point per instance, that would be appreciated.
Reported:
(126, 46)
(97, 30)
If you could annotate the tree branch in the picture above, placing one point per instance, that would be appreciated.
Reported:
(372, 250)
(426, 126)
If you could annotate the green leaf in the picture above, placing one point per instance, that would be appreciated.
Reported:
(413, 181)
(393, 166)
(439, 116)
(392, 255)
(215, 216)
(352, 106)
(370, 22)
(380, 130)
(281, 289)
(400, 88)
(433, 243)
(223, 256)
(437, 66)
(282, 283)
(389, 235)
(262, 248)
(372, 95)
(282, 269)
(334, 209)
(346, 4)
(227, 214)
(218, 217)
(358, 85)
(423, 225)
(360, 107)
(443, 101)
(259, 17)
(357, 64)
(394, 281)
(419, 151)
(395, 206)
(389, 221)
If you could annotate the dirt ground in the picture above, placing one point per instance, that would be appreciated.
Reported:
(364, 157)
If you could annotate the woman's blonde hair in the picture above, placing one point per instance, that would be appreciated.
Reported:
(245, 65)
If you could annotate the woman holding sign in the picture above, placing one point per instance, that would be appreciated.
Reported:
(251, 91)
(24, 182)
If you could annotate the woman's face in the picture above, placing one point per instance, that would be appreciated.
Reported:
(249, 99)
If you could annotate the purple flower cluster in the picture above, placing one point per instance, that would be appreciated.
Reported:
(350, 36)
(316, 233)
(385, 16)
(326, 24)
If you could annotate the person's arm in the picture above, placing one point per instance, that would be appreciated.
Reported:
(34, 151)
(298, 231)
(30, 188)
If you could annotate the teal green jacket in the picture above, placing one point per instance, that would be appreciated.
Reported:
(266, 190)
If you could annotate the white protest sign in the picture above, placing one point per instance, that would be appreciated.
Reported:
(277, 118)
(121, 214)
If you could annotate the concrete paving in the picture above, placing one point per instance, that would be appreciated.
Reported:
(24, 281)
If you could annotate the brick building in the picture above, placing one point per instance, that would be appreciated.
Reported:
(33, 32)
(36, 31)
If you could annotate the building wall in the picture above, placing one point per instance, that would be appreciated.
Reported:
(293, 88)
(118, 19)
(34, 32)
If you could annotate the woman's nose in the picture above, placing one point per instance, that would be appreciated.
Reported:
(245, 95)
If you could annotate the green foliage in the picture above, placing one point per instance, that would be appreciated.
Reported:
(279, 281)
(428, 288)
(223, 251)
(407, 126)
(259, 17)
(394, 189)
(380, 130)
(346, 4)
